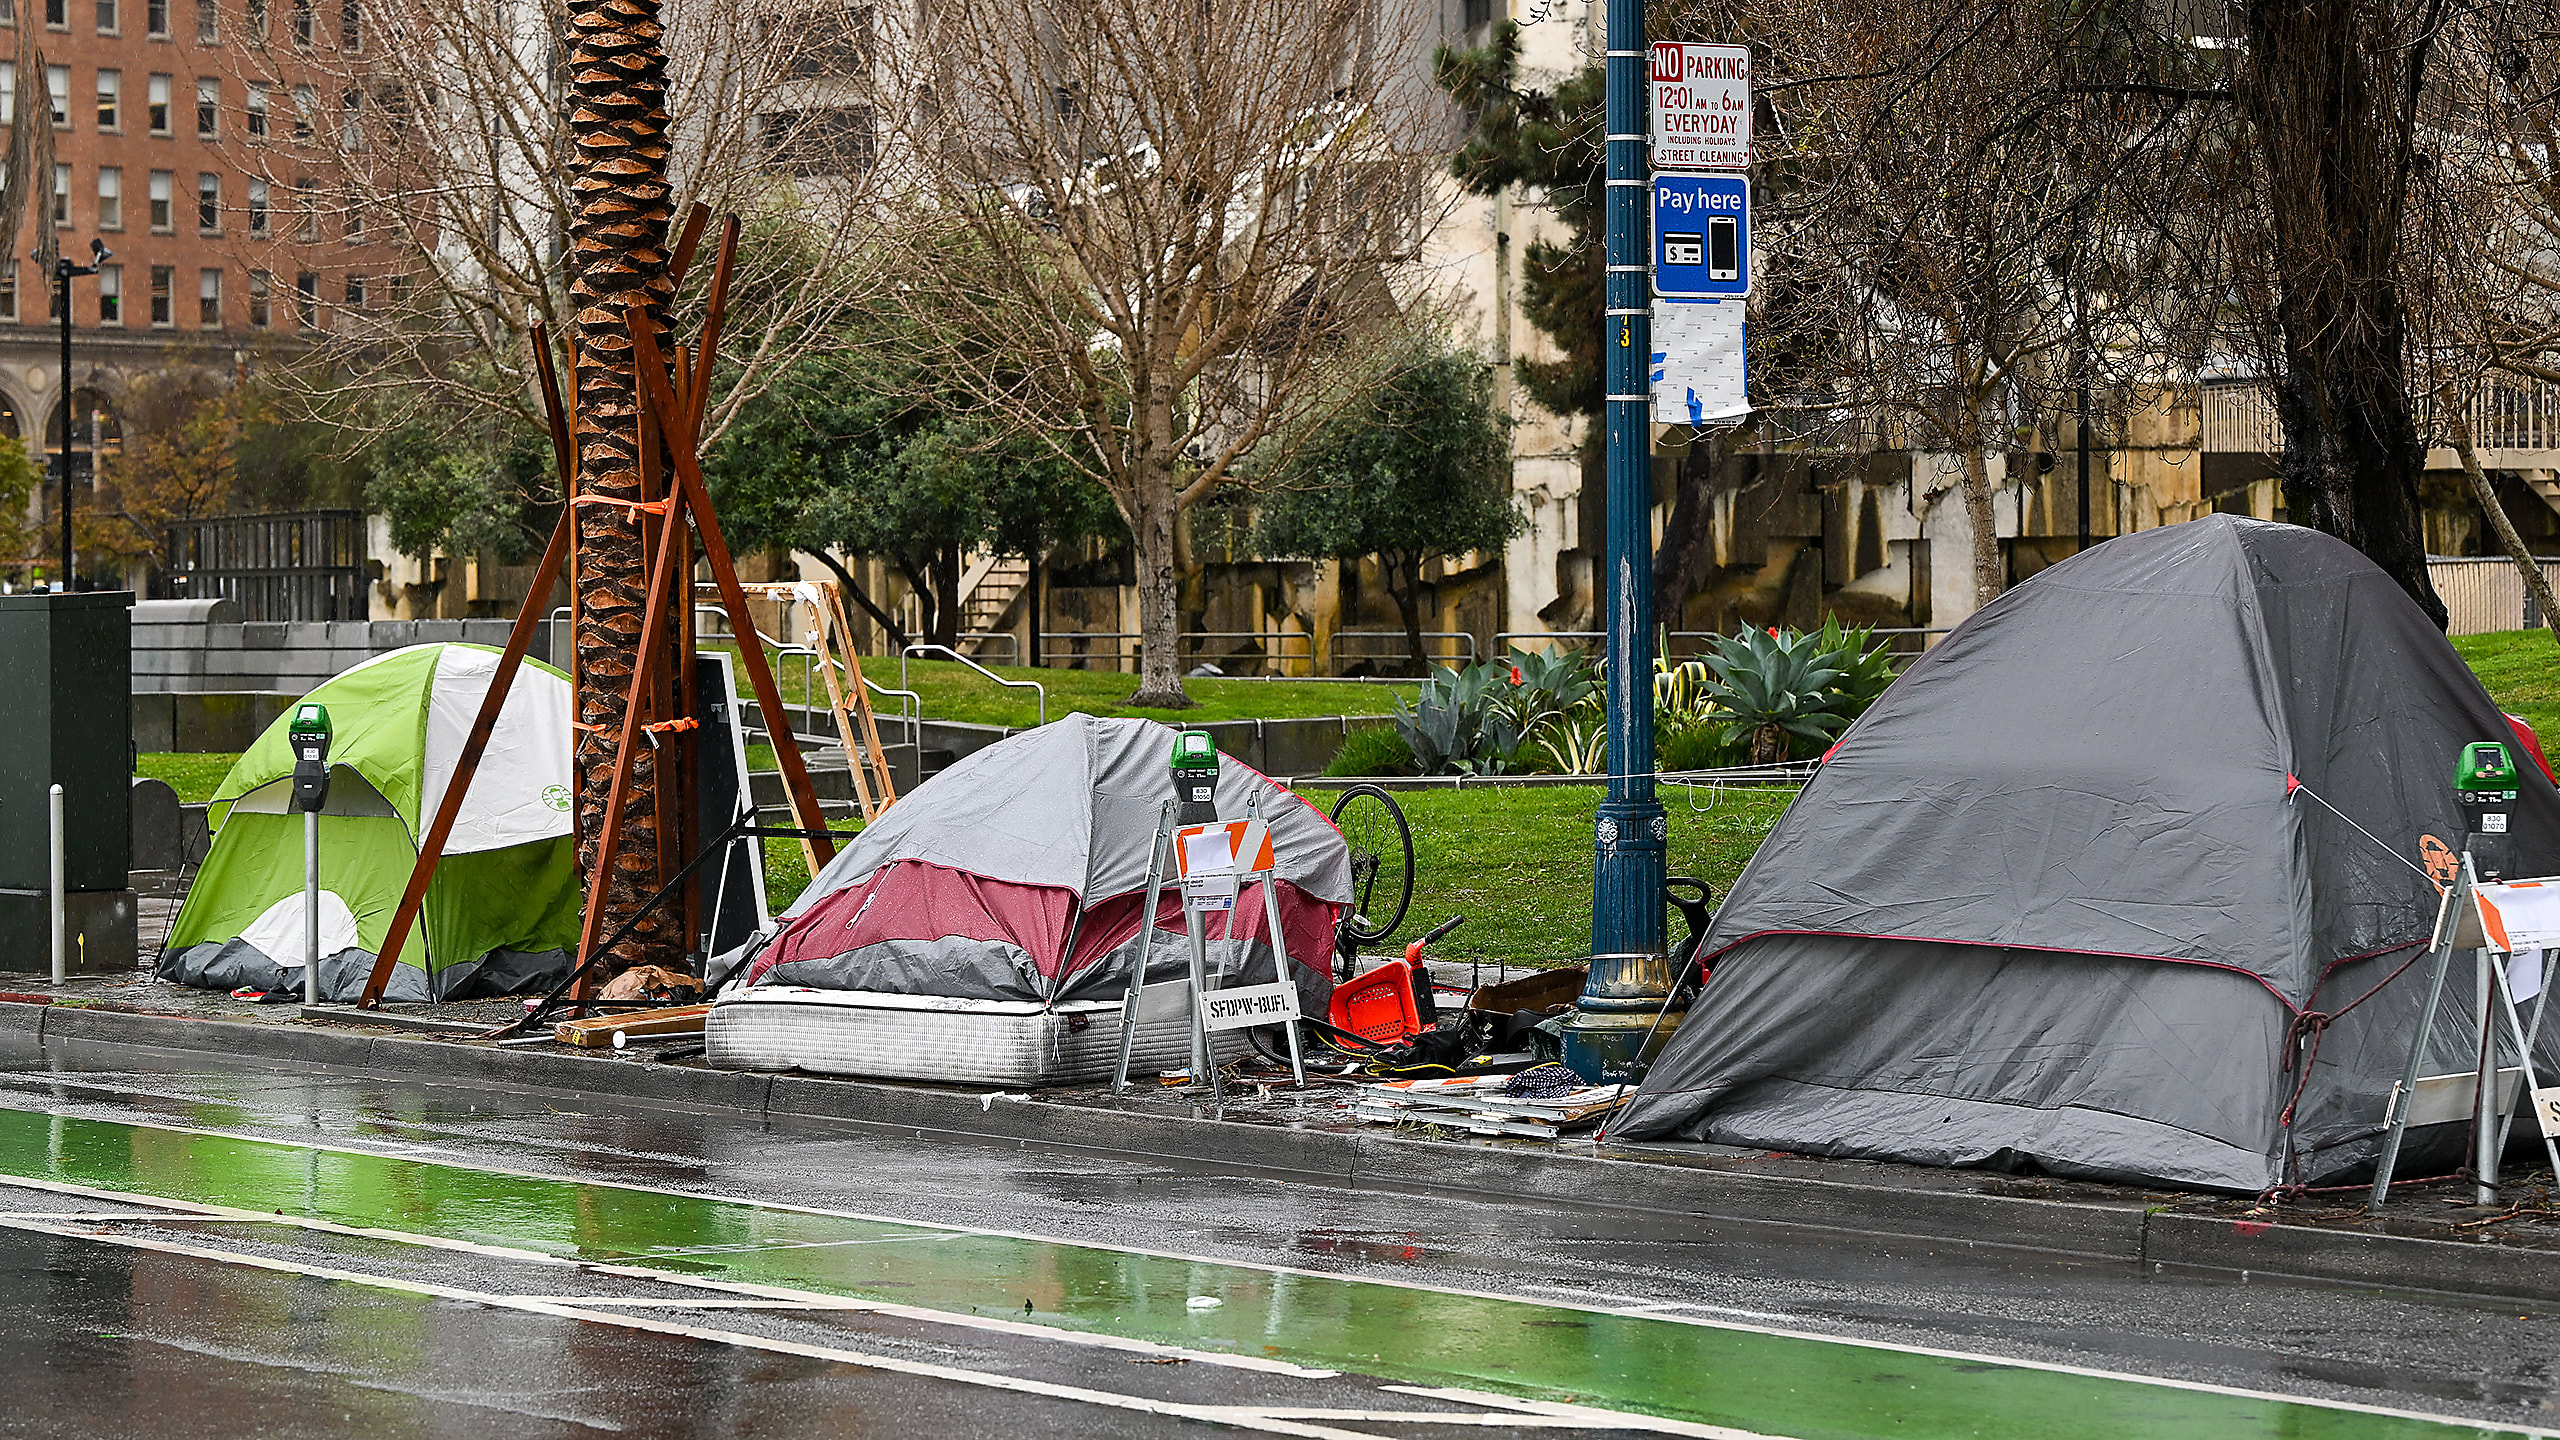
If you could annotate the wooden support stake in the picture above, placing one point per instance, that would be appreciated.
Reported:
(886, 783)
(617, 794)
(655, 392)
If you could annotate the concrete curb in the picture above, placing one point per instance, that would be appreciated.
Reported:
(2126, 1230)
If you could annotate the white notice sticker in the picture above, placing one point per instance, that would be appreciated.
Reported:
(1209, 850)
(2524, 975)
(2546, 1108)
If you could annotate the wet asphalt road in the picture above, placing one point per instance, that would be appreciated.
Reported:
(138, 1336)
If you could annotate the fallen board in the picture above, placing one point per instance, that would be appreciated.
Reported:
(596, 1032)
(1473, 1123)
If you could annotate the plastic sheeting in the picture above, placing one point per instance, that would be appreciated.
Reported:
(2053, 902)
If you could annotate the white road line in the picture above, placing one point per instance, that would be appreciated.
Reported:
(1242, 1417)
(663, 1303)
(1890, 1347)
(188, 1212)
(755, 1247)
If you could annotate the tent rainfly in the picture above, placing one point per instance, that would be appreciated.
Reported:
(2072, 895)
(1018, 875)
(502, 912)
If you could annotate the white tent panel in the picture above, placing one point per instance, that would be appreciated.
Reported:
(525, 787)
(278, 932)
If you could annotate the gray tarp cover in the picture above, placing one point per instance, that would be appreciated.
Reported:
(2051, 903)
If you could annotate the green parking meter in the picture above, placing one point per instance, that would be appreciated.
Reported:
(2484, 783)
(1195, 778)
(309, 736)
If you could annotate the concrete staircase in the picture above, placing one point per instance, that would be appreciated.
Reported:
(988, 590)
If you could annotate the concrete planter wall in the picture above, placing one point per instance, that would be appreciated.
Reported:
(182, 646)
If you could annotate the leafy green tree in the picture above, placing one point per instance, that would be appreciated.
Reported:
(1417, 470)
(859, 452)
(486, 485)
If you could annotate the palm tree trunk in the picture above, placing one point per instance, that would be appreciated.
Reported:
(618, 256)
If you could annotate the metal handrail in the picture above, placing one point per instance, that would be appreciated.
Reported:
(1499, 636)
(981, 669)
(1466, 635)
(1013, 642)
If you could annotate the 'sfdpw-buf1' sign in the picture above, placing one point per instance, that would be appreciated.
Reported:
(1272, 1004)
(1701, 236)
(1701, 106)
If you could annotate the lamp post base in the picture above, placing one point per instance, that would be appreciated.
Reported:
(1630, 971)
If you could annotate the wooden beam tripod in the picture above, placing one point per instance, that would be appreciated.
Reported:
(657, 710)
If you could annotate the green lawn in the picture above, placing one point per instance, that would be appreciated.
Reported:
(2522, 670)
(952, 691)
(192, 776)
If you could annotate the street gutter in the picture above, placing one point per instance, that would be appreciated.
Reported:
(1970, 1209)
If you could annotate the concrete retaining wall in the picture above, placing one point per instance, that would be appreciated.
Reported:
(203, 645)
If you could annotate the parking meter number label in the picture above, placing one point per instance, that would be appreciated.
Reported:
(1250, 1005)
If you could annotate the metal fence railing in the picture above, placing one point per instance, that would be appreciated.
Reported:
(2485, 593)
(300, 565)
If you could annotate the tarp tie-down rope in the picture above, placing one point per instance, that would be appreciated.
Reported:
(654, 507)
(2293, 786)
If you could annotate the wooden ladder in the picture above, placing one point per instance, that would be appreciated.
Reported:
(831, 635)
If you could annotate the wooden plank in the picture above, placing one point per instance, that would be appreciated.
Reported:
(597, 1031)
(853, 761)
(879, 758)
(715, 549)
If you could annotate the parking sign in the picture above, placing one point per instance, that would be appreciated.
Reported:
(1701, 236)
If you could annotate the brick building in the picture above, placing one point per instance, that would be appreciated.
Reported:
(199, 140)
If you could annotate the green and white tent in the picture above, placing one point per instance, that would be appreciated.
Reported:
(502, 913)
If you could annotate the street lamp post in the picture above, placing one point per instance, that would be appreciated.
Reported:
(64, 272)
(1629, 978)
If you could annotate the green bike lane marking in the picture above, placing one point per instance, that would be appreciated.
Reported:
(1711, 1372)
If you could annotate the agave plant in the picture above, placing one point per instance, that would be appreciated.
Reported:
(1457, 723)
(1865, 671)
(1773, 690)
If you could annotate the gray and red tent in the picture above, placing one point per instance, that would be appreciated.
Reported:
(1019, 874)
(2123, 879)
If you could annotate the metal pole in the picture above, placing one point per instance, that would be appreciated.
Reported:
(1627, 873)
(1146, 949)
(2396, 1127)
(2484, 1132)
(62, 268)
(1280, 967)
(310, 907)
(60, 867)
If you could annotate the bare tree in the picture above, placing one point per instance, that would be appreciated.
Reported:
(448, 141)
(1947, 252)
(1193, 219)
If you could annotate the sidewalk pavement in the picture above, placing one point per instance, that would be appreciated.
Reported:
(2431, 1239)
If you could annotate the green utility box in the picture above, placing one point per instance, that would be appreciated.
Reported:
(66, 710)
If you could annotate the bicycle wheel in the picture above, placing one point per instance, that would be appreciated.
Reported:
(1372, 824)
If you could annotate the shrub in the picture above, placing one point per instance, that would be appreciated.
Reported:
(1371, 750)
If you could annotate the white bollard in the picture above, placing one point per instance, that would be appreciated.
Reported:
(61, 868)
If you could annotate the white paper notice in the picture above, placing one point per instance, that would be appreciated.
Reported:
(2524, 974)
(1209, 850)
(2520, 914)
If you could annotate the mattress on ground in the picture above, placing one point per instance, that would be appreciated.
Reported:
(960, 1042)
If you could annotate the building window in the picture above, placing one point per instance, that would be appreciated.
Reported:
(354, 228)
(107, 17)
(306, 209)
(8, 12)
(208, 22)
(355, 292)
(302, 22)
(110, 91)
(351, 119)
(257, 111)
(257, 207)
(209, 203)
(831, 141)
(61, 194)
(155, 18)
(164, 278)
(399, 288)
(304, 102)
(110, 294)
(208, 107)
(8, 92)
(57, 89)
(350, 25)
(306, 300)
(209, 299)
(8, 290)
(257, 19)
(261, 289)
(163, 196)
(158, 96)
(57, 13)
(110, 197)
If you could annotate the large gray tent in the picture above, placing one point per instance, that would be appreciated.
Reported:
(2055, 901)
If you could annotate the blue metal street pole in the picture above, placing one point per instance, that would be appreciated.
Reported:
(1626, 909)
(1628, 979)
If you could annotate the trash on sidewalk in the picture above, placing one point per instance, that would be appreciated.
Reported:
(1493, 1104)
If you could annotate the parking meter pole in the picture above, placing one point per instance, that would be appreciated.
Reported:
(309, 734)
(59, 835)
(310, 907)
(2484, 1151)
